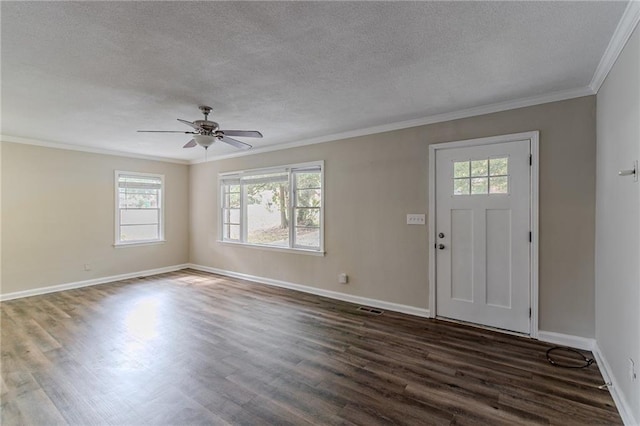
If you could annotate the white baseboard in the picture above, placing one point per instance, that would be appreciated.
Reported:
(614, 390)
(375, 303)
(87, 283)
(592, 345)
(578, 342)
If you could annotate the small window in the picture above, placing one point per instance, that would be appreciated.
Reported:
(139, 208)
(279, 207)
(481, 177)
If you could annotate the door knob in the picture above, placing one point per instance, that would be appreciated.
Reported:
(441, 246)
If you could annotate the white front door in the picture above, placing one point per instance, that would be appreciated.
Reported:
(482, 236)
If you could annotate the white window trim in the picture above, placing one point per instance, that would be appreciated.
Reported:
(121, 244)
(139, 243)
(290, 168)
(311, 252)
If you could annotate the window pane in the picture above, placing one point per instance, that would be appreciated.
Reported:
(461, 187)
(479, 185)
(308, 237)
(308, 217)
(139, 216)
(234, 216)
(267, 213)
(499, 185)
(308, 180)
(234, 232)
(498, 166)
(461, 169)
(125, 181)
(138, 198)
(308, 198)
(138, 232)
(280, 178)
(270, 236)
(479, 168)
(233, 201)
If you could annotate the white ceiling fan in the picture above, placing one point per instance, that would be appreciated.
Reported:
(207, 132)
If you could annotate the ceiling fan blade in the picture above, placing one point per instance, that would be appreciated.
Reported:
(190, 144)
(233, 142)
(244, 133)
(188, 123)
(166, 131)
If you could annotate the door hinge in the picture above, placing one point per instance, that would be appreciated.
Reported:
(529, 312)
(531, 159)
(530, 236)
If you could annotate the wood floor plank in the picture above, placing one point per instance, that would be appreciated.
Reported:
(190, 347)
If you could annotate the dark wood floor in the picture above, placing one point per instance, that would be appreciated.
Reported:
(195, 348)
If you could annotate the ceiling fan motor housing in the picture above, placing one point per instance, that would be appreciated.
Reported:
(209, 126)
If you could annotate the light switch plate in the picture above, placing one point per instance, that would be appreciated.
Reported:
(415, 219)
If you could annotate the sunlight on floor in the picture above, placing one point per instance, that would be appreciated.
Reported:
(142, 321)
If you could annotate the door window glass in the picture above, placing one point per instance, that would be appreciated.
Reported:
(481, 177)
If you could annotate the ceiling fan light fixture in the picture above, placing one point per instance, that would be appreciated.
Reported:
(204, 141)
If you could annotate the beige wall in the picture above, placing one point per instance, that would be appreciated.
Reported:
(58, 211)
(372, 182)
(1, 217)
(618, 225)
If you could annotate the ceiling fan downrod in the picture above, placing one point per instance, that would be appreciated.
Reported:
(205, 110)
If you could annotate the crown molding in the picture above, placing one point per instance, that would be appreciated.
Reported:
(621, 35)
(438, 118)
(432, 119)
(71, 147)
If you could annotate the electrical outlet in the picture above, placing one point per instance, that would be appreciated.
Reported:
(343, 278)
(415, 219)
(87, 267)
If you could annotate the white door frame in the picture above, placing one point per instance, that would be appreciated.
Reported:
(533, 137)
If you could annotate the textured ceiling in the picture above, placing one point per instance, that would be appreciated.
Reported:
(92, 73)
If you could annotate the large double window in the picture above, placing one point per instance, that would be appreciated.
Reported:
(139, 208)
(277, 207)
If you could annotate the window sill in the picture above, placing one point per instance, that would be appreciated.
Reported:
(272, 248)
(139, 243)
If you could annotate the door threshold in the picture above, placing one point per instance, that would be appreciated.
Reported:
(484, 327)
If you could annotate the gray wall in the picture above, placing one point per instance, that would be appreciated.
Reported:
(58, 214)
(373, 181)
(618, 223)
